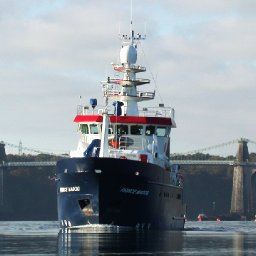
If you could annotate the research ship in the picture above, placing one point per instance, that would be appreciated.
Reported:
(120, 176)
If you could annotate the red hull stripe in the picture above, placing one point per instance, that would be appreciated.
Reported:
(124, 119)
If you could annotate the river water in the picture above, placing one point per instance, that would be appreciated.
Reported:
(198, 238)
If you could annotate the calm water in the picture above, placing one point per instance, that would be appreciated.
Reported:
(199, 238)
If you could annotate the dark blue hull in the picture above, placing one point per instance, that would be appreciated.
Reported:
(117, 192)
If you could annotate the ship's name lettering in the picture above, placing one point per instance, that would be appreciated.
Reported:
(69, 189)
(134, 191)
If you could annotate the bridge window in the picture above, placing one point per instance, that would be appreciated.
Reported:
(150, 130)
(84, 128)
(110, 129)
(161, 131)
(136, 129)
(94, 129)
(122, 129)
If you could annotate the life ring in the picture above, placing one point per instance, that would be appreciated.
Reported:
(114, 143)
(123, 157)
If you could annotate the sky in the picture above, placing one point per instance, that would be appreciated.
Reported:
(201, 54)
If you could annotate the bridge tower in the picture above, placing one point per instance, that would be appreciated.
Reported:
(2, 152)
(2, 159)
(241, 201)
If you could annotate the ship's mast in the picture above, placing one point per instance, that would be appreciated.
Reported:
(126, 93)
(131, 20)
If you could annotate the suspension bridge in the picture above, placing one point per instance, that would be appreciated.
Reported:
(192, 157)
(202, 156)
(243, 199)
